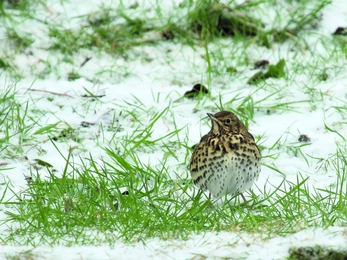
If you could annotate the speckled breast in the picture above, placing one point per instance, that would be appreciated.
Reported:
(225, 167)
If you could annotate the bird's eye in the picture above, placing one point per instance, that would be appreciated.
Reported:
(228, 121)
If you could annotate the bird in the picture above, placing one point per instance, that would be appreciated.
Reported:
(226, 160)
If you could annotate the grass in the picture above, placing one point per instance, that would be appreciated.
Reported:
(124, 198)
(124, 175)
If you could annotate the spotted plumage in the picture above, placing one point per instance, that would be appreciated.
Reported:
(227, 159)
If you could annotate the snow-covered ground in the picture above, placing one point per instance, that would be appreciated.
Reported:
(224, 245)
(158, 76)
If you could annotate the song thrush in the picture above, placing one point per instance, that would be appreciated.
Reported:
(227, 159)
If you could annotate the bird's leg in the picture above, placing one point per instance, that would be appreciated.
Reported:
(243, 197)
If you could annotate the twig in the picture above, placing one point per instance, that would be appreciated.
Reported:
(3, 164)
(168, 128)
(85, 61)
(47, 8)
(93, 96)
(50, 92)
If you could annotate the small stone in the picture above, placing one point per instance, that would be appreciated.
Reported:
(304, 139)
(340, 31)
(197, 88)
(261, 64)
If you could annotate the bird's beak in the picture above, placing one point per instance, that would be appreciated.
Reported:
(213, 118)
(210, 115)
(215, 123)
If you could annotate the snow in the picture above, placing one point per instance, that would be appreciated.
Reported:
(166, 71)
(208, 246)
